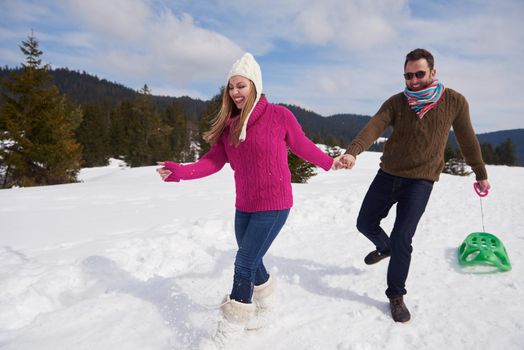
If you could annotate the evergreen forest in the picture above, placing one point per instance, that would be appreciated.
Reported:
(53, 122)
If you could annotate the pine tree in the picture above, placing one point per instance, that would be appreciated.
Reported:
(37, 127)
(93, 134)
(332, 140)
(180, 137)
(204, 124)
(505, 153)
(137, 132)
(140, 128)
(301, 171)
(488, 154)
(156, 133)
(118, 134)
(314, 136)
(448, 152)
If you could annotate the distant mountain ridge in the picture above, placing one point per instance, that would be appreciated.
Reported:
(346, 126)
(82, 87)
(342, 126)
(496, 137)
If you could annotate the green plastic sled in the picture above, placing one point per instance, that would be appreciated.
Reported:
(483, 248)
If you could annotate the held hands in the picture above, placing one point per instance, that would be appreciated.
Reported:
(346, 161)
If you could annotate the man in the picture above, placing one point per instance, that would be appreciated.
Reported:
(413, 159)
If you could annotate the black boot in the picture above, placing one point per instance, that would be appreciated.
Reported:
(399, 311)
(374, 257)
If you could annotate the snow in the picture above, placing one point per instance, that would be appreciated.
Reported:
(125, 261)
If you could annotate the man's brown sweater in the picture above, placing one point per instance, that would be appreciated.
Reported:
(416, 146)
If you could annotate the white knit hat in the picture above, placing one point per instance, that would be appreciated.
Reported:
(248, 68)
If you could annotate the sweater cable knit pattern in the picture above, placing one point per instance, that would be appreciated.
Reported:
(262, 176)
(416, 146)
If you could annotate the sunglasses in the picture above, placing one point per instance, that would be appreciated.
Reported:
(420, 74)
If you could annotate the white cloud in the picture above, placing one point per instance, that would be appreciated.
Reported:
(332, 56)
(350, 25)
(488, 87)
(332, 89)
(134, 39)
(477, 50)
(78, 40)
(116, 19)
(345, 24)
(26, 11)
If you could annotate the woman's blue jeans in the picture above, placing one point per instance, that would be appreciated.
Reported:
(254, 234)
(411, 197)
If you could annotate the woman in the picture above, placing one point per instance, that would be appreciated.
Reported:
(252, 135)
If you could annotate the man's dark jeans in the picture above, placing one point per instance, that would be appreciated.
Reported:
(411, 197)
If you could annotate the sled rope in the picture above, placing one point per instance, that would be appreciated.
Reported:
(482, 214)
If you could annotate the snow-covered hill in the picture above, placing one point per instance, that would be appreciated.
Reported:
(125, 261)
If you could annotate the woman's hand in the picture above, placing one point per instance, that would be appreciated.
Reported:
(336, 164)
(163, 172)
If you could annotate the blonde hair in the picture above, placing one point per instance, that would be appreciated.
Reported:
(226, 109)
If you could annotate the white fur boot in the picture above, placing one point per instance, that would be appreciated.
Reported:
(264, 298)
(232, 326)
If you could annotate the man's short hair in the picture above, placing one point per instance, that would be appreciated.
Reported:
(417, 54)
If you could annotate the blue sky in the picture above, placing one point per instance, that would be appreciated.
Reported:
(330, 56)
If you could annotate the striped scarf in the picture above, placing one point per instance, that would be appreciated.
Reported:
(422, 101)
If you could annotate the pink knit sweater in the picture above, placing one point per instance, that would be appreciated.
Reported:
(262, 176)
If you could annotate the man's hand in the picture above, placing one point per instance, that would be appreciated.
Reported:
(483, 186)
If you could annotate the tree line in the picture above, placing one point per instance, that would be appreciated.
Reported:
(46, 137)
(502, 154)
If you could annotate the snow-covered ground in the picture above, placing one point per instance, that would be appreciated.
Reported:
(125, 261)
